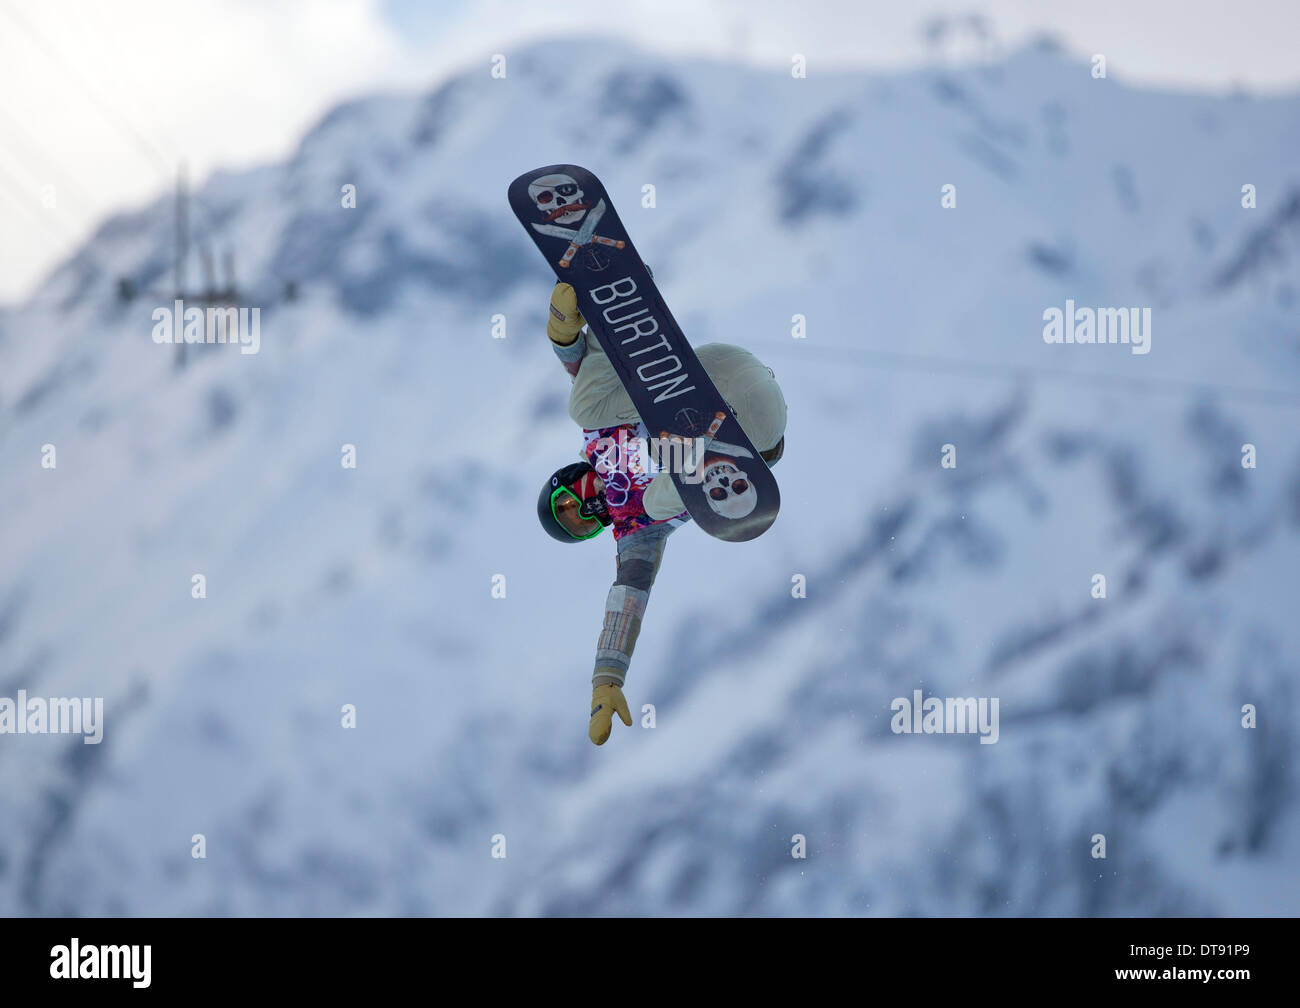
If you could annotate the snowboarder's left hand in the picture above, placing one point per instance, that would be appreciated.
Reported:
(606, 699)
(565, 319)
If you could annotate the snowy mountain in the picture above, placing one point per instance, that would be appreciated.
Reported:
(774, 197)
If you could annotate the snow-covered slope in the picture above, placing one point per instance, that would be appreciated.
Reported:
(774, 197)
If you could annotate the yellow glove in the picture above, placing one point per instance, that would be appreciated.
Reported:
(606, 699)
(565, 320)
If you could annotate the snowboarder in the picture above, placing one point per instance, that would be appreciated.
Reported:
(615, 483)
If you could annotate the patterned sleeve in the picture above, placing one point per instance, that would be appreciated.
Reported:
(639, 554)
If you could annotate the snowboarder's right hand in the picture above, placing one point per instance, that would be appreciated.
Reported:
(565, 319)
(606, 699)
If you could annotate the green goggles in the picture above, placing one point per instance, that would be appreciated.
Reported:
(577, 517)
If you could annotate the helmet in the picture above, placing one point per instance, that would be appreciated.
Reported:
(571, 506)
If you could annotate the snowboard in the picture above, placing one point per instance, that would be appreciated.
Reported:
(724, 483)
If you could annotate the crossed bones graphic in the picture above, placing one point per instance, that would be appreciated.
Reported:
(581, 236)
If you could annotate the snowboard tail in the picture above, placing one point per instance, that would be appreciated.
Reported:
(731, 494)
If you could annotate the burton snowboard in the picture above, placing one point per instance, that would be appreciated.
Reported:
(729, 491)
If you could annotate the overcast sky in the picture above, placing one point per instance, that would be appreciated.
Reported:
(103, 100)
